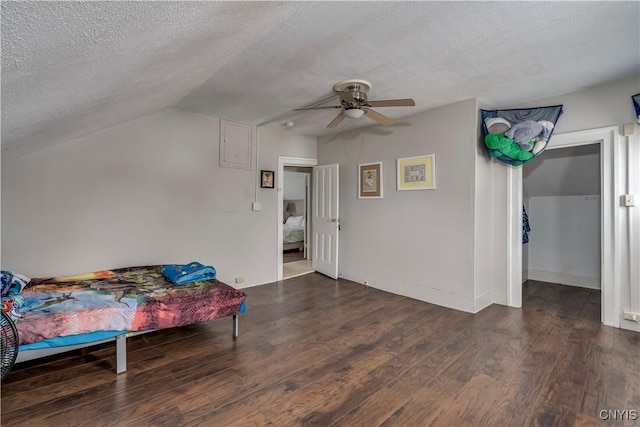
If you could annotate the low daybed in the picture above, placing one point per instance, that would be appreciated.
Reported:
(66, 313)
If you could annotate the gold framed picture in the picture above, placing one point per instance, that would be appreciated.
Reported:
(417, 173)
(370, 181)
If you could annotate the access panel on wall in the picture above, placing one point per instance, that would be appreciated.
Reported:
(236, 145)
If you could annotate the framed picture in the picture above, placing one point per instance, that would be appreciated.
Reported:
(417, 173)
(266, 179)
(370, 181)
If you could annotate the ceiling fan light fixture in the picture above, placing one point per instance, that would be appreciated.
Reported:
(354, 113)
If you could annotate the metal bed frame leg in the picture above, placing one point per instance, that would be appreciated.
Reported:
(121, 353)
(235, 326)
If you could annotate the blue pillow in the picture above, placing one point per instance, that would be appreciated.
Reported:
(187, 273)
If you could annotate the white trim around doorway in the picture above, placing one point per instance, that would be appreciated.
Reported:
(282, 162)
(608, 139)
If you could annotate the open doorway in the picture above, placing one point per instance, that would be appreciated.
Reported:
(294, 224)
(296, 194)
(605, 139)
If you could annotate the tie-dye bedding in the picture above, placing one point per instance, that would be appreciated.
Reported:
(126, 299)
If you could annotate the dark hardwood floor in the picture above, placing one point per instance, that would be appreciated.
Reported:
(313, 351)
(292, 255)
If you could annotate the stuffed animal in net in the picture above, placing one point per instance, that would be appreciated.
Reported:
(518, 143)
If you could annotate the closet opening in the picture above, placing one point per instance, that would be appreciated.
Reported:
(607, 139)
(561, 233)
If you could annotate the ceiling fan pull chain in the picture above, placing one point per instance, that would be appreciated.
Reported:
(344, 144)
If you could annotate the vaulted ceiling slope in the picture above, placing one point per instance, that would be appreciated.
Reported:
(71, 68)
(570, 171)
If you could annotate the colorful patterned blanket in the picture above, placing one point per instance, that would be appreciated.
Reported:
(126, 299)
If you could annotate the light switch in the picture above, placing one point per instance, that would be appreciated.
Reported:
(256, 206)
(629, 129)
(629, 200)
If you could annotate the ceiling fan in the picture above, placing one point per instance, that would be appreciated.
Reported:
(354, 103)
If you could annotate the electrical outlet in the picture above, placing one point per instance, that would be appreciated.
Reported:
(240, 279)
(627, 315)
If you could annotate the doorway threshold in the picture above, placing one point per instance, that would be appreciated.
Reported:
(296, 268)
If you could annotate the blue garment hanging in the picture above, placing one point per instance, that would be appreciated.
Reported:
(525, 226)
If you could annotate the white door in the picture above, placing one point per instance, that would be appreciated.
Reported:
(325, 220)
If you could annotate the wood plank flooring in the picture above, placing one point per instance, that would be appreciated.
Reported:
(292, 255)
(318, 352)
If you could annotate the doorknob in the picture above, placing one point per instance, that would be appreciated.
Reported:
(334, 219)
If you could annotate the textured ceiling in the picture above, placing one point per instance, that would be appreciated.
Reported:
(71, 68)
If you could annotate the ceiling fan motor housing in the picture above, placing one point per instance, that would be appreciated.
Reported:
(360, 97)
(352, 85)
(357, 88)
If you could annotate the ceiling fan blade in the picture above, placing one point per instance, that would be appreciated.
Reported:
(393, 103)
(335, 122)
(383, 120)
(317, 108)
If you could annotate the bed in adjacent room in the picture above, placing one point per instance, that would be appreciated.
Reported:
(293, 232)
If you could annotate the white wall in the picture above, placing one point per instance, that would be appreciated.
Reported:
(414, 243)
(571, 171)
(565, 240)
(149, 191)
(599, 106)
(485, 218)
(295, 185)
(563, 190)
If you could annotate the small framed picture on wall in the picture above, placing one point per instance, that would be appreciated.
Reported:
(417, 173)
(370, 181)
(266, 179)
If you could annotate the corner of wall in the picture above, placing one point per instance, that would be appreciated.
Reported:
(483, 221)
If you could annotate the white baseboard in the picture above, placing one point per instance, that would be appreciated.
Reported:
(564, 279)
(483, 301)
(426, 294)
